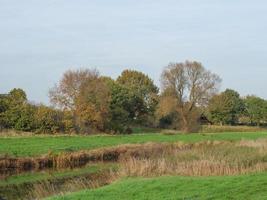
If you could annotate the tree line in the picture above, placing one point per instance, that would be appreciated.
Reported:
(85, 102)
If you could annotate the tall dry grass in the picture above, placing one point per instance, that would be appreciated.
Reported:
(201, 159)
(13, 133)
(225, 128)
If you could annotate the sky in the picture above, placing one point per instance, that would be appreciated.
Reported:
(40, 40)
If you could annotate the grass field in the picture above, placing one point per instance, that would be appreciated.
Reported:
(176, 169)
(39, 145)
(248, 187)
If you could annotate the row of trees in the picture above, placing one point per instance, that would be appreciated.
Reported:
(229, 108)
(17, 113)
(86, 102)
(100, 103)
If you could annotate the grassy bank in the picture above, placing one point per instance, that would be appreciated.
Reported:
(39, 145)
(37, 185)
(249, 187)
(31, 177)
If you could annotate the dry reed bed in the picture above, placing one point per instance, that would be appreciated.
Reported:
(201, 159)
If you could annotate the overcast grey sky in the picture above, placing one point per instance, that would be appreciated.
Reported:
(40, 39)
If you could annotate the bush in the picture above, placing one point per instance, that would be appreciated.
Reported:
(49, 120)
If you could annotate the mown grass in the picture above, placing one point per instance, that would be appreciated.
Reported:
(38, 145)
(48, 175)
(246, 187)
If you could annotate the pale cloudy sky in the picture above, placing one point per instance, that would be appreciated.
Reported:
(40, 39)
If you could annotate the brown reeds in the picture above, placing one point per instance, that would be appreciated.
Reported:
(201, 159)
(160, 167)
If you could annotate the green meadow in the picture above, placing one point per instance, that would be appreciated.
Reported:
(248, 187)
(29, 146)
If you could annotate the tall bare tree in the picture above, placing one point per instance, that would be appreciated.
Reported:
(190, 86)
(65, 93)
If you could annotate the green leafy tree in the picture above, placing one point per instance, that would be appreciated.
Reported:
(256, 109)
(16, 112)
(226, 108)
(120, 107)
(26, 120)
(16, 102)
(144, 94)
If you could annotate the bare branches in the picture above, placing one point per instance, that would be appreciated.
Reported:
(191, 85)
(64, 94)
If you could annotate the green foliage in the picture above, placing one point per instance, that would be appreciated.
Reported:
(48, 120)
(256, 109)
(68, 122)
(16, 113)
(131, 100)
(89, 103)
(225, 108)
(17, 96)
(138, 82)
(26, 120)
(143, 94)
(119, 105)
(3, 103)
(3, 109)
